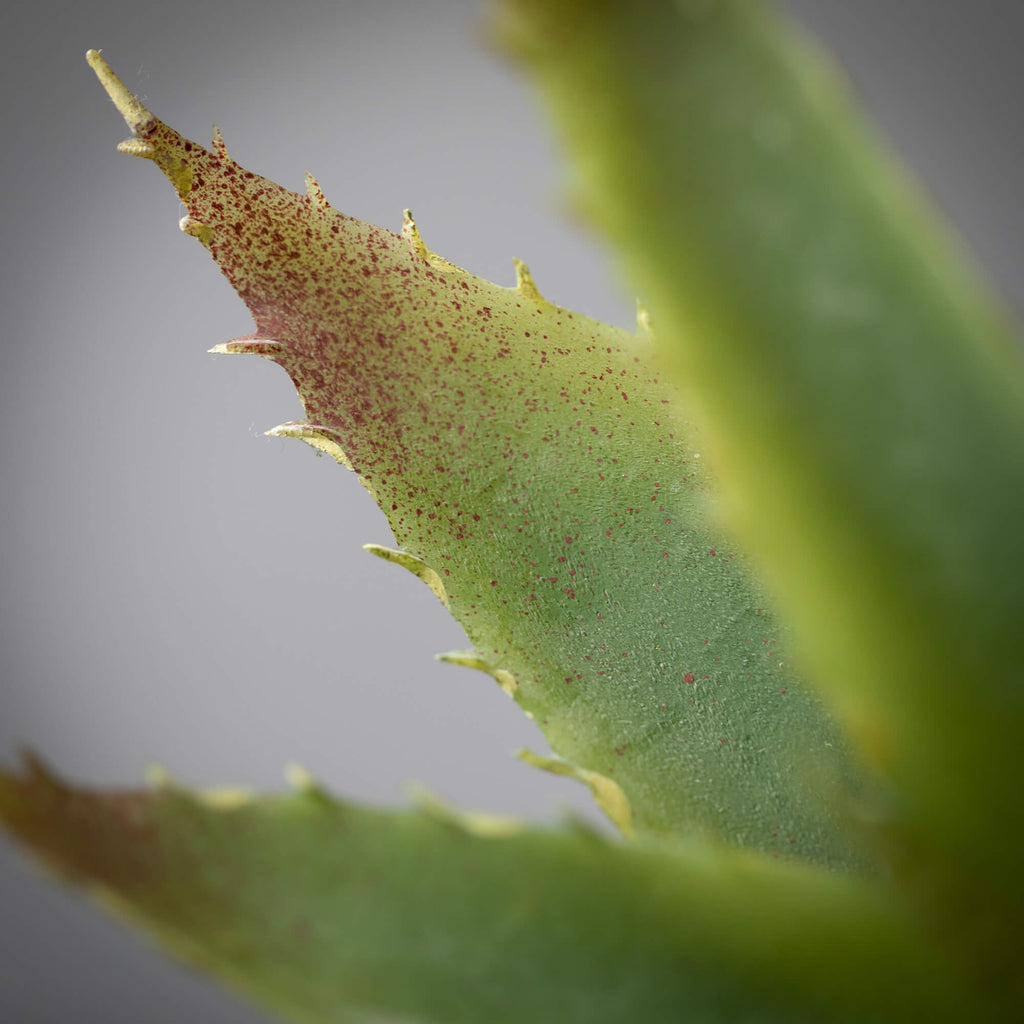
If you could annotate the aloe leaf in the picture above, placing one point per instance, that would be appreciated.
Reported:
(536, 476)
(860, 389)
(329, 912)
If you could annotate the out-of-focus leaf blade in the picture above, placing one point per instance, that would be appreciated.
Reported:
(861, 391)
(328, 912)
(533, 471)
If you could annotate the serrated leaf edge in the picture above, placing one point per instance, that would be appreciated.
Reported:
(608, 793)
(473, 659)
(415, 565)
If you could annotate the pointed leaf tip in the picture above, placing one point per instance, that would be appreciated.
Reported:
(138, 117)
(154, 140)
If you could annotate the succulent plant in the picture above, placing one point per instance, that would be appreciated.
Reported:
(753, 570)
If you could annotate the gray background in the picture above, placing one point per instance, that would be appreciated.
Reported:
(177, 588)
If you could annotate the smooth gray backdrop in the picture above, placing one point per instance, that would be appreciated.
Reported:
(177, 588)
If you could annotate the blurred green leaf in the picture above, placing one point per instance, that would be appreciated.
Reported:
(860, 389)
(328, 912)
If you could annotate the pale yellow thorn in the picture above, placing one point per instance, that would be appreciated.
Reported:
(298, 777)
(130, 108)
(608, 793)
(226, 798)
(218, 144)
(137, 147)
(486, 826)
(415, 565)
(527, 286)
(157, 775)
(471, 659)
(318, 437)
(315, 192)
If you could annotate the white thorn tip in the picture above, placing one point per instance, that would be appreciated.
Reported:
(196, 229)
(248, 346)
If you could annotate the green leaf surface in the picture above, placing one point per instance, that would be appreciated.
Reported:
(535, 473)
(861, 392)
(328, 912)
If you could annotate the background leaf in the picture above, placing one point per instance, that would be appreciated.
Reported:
(863, 393)
(331, 912)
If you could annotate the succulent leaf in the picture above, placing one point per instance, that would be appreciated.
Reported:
(329, 912)
(535, 472)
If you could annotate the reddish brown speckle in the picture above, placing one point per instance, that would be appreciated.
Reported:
(438, 395)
